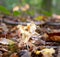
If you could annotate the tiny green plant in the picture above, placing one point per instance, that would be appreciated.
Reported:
(16, 13)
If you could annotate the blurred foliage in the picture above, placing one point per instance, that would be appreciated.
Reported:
(9, 4)
(44, 7)
(30, 13)
(47, 7)
(39, 6)
(46, 13)
(56, 7)
(3, 10)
